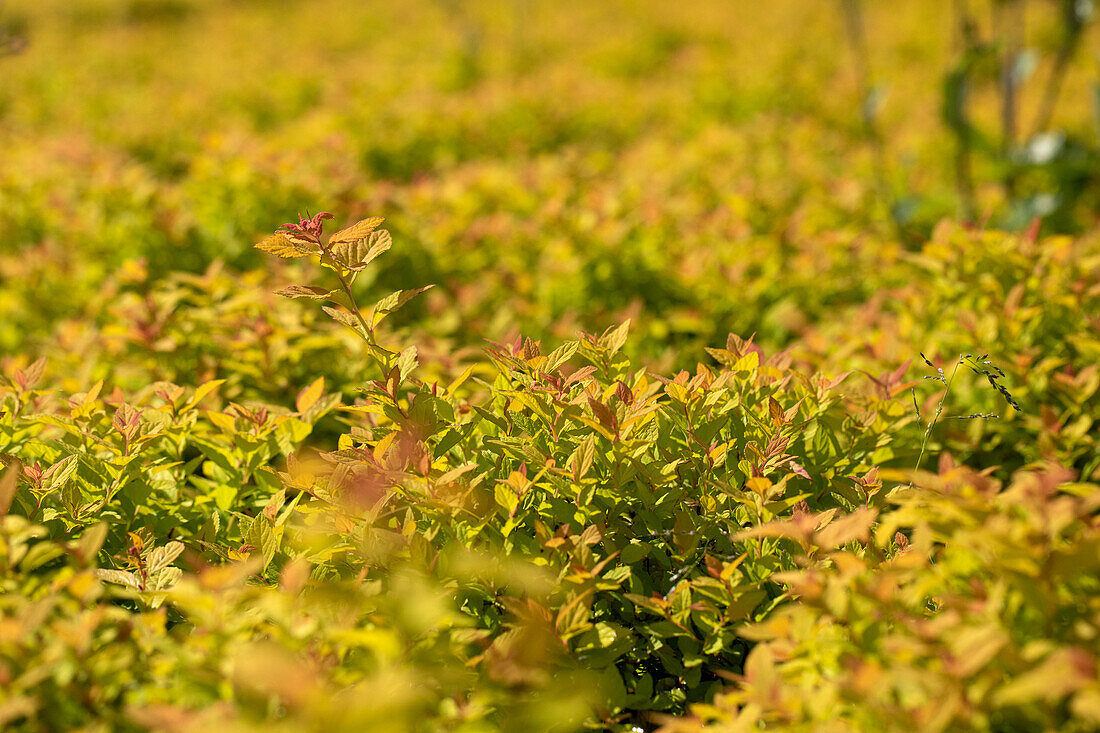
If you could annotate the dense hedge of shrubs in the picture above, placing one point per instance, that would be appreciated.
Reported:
(550, 537)
(660, 408)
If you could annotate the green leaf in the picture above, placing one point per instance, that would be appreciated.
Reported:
(397, 300)
(634, 552)
(261, 535)
(406, 362)
(92, 541)
(58, 475)
(119, 577)
(161, 557)
(559, 356)
(583, 457)
(604, 643)
(506, 497)
(613, 340)
(342, 316)
(164, 580)
(614, 691)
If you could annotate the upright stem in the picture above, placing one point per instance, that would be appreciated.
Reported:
(955, 91)
(936, 417)
(379, 355)
(1008, 19)
(1073, 24)
(855, 29)
(368, 332)
(1008, 15)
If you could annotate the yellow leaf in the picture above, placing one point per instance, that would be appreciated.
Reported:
(974, 647)
(1065, 671)
(356, 231)
(854, 526)
(729, 569)
(453, 386)
(201, 393)
(747, 363)
(383, 445)
(282, 246)
(613, 339)
(8, 483)
(759, 484)
(226, 422)
(356, 254)
(455, 473)
(304, 291)
(309, 396)
(1086, 704)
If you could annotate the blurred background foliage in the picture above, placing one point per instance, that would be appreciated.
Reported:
(553, 167)
(621, 150)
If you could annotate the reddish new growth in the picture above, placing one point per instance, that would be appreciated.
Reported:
(33, 473)
(310, 227)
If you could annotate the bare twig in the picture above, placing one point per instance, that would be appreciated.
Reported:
(856, 33)
(1073, 23)
(955, 114)
(1008, 16)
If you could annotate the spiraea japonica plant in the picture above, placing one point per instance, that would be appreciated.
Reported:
(627, 491)
(969, 605)
(346, 253)
(225, 509)
(550, 538)
(158, 572)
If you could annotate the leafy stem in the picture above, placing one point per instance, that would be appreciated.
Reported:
(368, 330)
(346, 253)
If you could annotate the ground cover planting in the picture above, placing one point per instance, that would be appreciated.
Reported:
(508, 366)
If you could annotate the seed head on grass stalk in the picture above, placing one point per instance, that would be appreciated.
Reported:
(979, 365)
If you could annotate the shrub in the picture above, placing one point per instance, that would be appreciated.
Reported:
(974, 607)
